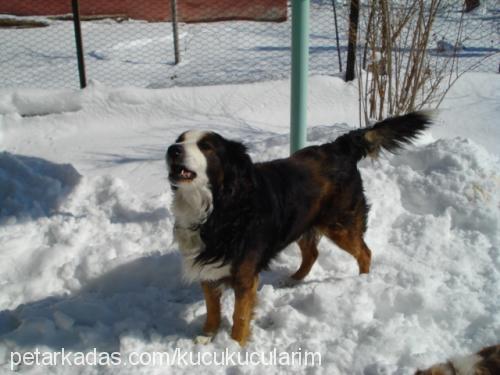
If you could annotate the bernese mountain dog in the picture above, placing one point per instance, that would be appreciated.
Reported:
(484, 362)
(233, 216)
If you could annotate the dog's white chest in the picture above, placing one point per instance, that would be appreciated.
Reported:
(190, 245)
(191, 209)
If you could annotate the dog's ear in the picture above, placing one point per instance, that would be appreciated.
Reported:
(238, 168)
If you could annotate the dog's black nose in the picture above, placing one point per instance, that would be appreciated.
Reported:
(174, 152)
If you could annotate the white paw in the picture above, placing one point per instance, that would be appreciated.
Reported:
(203, 340)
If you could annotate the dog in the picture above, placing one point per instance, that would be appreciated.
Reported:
(233, 216)
(484, 362)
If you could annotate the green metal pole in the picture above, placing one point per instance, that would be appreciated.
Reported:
(300, 57)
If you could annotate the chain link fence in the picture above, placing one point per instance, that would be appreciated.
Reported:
(471, 37)
(219, 41)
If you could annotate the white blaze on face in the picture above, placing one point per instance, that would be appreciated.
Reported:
(193, 199)
(194, 160)
(191, 206)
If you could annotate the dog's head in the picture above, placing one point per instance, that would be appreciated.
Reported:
(201, 159)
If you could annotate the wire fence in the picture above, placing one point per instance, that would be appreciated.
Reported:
(219, 41)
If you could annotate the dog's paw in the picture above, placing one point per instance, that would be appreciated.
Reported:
(203, 340)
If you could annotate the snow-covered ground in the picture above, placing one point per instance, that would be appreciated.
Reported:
(87, 258)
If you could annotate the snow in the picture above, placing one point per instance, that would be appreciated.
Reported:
(33, 187)
(87, 258)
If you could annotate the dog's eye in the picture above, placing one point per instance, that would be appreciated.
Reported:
(205, 146)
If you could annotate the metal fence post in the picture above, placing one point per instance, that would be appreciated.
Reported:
(173, 4)
(79, 44)
(300, 57)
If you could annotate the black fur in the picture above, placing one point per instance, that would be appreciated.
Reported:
(258, 209)
(390, 134)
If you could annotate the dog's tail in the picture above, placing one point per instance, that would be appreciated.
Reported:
(390, 134)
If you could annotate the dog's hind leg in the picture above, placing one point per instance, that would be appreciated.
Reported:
(347, 231)
(351, 240)
(308, 248)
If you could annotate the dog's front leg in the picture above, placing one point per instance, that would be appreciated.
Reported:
(212, 300)
(245, 292)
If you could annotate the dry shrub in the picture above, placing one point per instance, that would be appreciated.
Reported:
(396, 74)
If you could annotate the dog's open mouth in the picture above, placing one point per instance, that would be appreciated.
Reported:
(179, 173)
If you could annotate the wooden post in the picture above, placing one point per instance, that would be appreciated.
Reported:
(353, 36)
(79, 44)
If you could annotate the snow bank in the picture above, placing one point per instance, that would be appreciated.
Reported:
(32, 187)
(39, 102)
(95, 227)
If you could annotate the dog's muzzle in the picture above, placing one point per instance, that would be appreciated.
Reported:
(178, 172)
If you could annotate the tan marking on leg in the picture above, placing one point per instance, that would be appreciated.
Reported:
(245, 298)
(351, 240)
(308, 248)
(212, 300)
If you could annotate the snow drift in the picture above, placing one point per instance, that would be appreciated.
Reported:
(32, 187)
